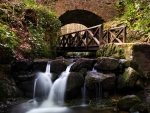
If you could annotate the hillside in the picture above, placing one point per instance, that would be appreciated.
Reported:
(27, 31)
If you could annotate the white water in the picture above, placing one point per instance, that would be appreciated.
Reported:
(84, 93)
(56, 95)
(94, 70)
(44, 79)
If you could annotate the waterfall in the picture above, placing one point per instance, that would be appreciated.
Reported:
(48, 67)
(94, 70)
(57, 92)
(44, 79)
(84, 93)
(34, 88)
(98, 91)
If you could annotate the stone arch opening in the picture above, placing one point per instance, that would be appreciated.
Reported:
(83, 17)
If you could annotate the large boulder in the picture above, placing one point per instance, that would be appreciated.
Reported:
(128, 79)
(106, 64)
(74, 84)
(59, 65)
(106, 81)
(138, 108)
(126, 102)
(82, 63)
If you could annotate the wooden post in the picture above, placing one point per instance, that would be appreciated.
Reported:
(108, 37)
(100, 34)
(78, 39)
(124, 34)
(86, 39)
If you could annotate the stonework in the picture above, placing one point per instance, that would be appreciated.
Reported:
(106, 9)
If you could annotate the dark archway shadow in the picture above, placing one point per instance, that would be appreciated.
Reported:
(83, 17)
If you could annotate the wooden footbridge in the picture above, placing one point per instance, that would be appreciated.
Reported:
(92, 38)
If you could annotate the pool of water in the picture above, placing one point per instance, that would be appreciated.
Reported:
(33, 107)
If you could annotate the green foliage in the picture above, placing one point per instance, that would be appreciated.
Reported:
(8, 43)
(110, 50)
(136, 15)
(44, 33)
(80, 54)
(38, 44)
(8, 38)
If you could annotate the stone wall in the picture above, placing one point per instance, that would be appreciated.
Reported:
(106, 9)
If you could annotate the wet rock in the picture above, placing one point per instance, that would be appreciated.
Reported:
(126, 102)
(39, 65)
(74, 84)
(106, 81)
(106, 64)
(138, 108)
(83, 71)
(27, 86)
(40, 91)
(59, 65)
(54, 77)
(82, 63)
(109, 82)
(124, 62)
(128, 79)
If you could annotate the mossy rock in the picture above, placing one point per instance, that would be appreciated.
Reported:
(124, 62)
(138, 108)
(106, 64)
(126, 102)
(75, 79)
(54, 77)
(82, 63)
(128, 79)
(83, 71)
(106, 81)
(74, 84)
(59, 65)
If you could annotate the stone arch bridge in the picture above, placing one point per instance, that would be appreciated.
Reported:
(86, 12)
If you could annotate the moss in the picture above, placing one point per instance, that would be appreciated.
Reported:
(138, 108)
(128, 101)
(83, 71)
(128, 79)
(111, 50)
(75, 80)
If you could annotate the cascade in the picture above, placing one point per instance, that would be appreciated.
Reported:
(84, 93)
(44, 79)
(56, 95)
(98, 88)
(98, 92)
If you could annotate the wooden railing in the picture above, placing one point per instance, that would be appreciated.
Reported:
(92, 38)
(115, 35)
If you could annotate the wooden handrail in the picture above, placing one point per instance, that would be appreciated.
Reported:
(93, 37)
(83, 29)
